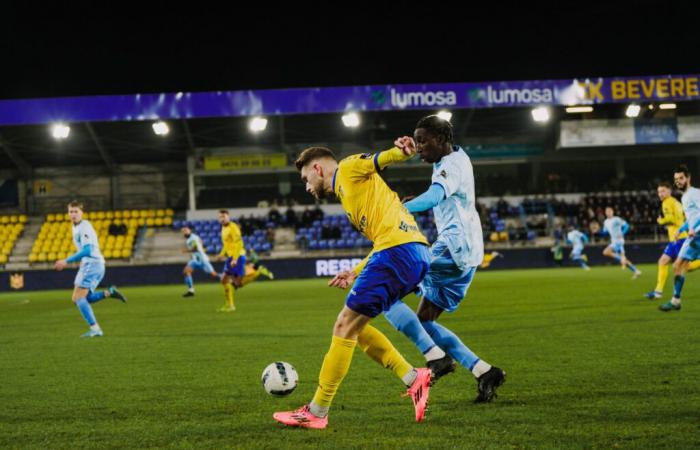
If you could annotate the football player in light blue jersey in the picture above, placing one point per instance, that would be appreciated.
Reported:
(455, 255)
(91, 271)
(690, 251)
(199, 260)
(578, 240)
(616, 228)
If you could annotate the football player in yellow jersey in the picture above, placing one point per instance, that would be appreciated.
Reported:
(673, 218)
(488, 258)
(235, 275)
(397, 263)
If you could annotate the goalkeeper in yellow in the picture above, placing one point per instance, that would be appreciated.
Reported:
(236, 273)
(397, 263)
(673, 218)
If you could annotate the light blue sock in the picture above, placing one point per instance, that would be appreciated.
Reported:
(86, 310)
(631, 267)
(94, 297)
(449, 342)
(406, 321)
(581, 262)
(188, 281)
(678, 285)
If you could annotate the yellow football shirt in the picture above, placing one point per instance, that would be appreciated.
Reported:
(673, 217)
(371, 206)
(232, 241)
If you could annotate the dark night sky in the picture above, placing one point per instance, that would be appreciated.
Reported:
(57, 52)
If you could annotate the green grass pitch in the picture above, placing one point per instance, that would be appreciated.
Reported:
(590, 364)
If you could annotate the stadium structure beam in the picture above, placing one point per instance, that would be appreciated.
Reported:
(467, 121)
(24, 167)
(109, 162)
(283, 140)
(106, 157)
(188, 135)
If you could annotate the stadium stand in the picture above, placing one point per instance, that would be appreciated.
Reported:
(11, 228)
(116, 231)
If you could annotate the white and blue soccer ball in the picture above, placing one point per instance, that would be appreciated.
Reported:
(280, 379)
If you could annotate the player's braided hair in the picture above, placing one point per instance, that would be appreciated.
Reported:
(682, 169)
(437, 127)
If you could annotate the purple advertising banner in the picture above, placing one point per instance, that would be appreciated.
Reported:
(342, 99)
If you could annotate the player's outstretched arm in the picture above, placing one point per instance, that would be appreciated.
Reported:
(427, 200)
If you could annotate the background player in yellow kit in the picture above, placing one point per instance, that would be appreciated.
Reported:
(234, 275)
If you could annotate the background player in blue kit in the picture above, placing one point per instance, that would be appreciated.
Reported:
(91, 271)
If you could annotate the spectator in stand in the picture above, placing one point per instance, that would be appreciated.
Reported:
(307, 218)
(274, 216)
(291, 217)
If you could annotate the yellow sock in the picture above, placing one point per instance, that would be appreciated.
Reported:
(694, 265)
(228, 293)
(662, 276)
(335, 367)
(251, 276)
(379, 348)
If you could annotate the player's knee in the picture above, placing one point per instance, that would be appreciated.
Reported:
(678, 267)
(344, 329)
(346, 326)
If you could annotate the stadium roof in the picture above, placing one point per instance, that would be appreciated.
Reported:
(56, 52)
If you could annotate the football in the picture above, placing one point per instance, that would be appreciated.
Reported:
(280, 379)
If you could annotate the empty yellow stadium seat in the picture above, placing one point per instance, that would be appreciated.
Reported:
(23, 219)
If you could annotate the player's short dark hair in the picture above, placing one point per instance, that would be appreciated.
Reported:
(682, 168)
(76, 204)
(437, 126)
(224, 211)
(311, 154)
(665, 184)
